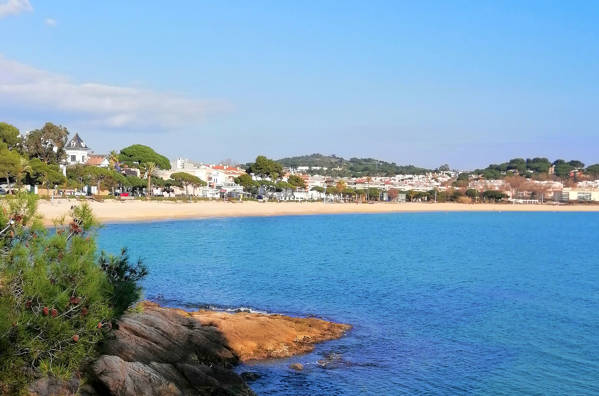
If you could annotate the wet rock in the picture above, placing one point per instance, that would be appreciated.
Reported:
(250, 376)
(332, 360)
(296, 366)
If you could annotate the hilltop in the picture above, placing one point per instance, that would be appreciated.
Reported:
(331, 165)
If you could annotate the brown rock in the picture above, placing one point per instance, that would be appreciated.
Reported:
(50, 386)
(253, 336)
(296, 366)
(168, 352)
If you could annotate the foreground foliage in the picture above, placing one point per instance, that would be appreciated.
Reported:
(56, 302)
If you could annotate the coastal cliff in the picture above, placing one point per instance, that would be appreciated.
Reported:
(165, 351)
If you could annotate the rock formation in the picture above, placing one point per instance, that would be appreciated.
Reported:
(166, 352)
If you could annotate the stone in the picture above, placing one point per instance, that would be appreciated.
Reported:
(250, 376)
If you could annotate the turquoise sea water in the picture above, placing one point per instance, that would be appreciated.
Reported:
(441, 303)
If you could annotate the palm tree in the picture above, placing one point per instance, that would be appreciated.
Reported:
(113, 159)
(150, 169)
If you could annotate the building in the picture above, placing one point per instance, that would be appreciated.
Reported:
(576, 195)
(219, 178)
(77, 151)
(99, 160)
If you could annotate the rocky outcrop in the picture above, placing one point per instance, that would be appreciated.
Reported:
(167, 352)
(254, 336)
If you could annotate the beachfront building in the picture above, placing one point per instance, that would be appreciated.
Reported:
(219, 178)
(77, 151)
(572, 194)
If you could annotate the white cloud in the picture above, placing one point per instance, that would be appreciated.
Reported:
(33, 90)
(50, 22)
(14, 7)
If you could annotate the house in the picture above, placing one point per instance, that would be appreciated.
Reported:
(99, 160)
(77, 151)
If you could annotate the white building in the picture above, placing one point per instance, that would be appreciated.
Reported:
(77, 151)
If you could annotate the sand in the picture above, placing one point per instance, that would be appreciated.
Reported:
(111, 211)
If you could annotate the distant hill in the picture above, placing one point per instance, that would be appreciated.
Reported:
(354, 167)
(536, 166)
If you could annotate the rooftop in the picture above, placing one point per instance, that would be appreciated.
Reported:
(76, 143)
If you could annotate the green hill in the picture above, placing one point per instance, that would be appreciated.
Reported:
(354, 167)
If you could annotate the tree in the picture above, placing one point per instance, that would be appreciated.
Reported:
(22, 167)
(9, 162)
(464, 176)
(187, 179)
(296, 181)
(517, 184)
(265, 167)
(593, 170)
(282, 186)
(562, 169)
(576, 164)
(493, 195)
(134, 182)
(113, 159)
(517, 164)
(491, 174)
(47, 143)
(56, 303)
(139, 155)
(538, 165)
(472, 193)
(9, 135)
(124, 279)
(101, 177)
(539, 190)
(444, 168)
(150, 169)
(44, 174)
(246, 182)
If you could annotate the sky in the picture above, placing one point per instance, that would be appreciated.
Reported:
(466, 83)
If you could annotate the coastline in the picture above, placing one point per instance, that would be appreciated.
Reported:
(114, 211)
(157, 350)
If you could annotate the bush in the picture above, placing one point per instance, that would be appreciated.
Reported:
(123, 277)
(56, 302)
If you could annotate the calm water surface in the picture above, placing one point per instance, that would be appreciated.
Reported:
(441, 303)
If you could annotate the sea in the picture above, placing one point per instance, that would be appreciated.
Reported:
(440, 303)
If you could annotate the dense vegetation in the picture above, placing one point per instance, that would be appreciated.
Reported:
(57, 299)
(354, 167)
(139, 154)
(36, 158)
(538, 168)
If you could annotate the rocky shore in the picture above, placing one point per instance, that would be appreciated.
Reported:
(165, 351)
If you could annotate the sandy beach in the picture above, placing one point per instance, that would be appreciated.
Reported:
(132, 210)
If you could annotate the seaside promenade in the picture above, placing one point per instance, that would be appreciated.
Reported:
(134, 210)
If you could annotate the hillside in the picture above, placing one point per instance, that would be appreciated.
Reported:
(354, 167)
(538, 166)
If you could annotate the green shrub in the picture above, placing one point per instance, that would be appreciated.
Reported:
(56, 302)
(124, 278)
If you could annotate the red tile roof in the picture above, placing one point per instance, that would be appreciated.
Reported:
(95, 159)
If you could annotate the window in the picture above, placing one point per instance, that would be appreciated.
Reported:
(73, 158)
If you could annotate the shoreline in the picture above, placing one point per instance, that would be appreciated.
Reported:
(113, 211)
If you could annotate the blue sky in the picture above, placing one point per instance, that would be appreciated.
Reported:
(462, 82)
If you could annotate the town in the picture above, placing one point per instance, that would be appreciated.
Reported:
(48, 163)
